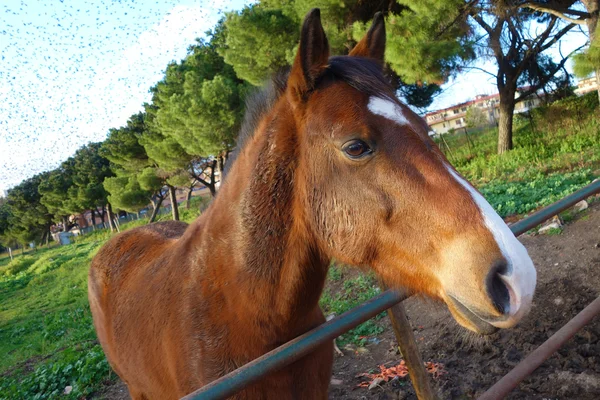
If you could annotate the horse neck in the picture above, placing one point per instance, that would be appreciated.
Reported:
(275, 268)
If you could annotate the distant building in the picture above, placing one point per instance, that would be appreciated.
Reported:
(442, 121)
(586, 85)
(3, 193)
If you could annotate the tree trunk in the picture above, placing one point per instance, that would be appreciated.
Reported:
(43, 238)
(93, 219)
(174, 207)
(103, 217)
(221, 163)
(111, 222)
(592, 7)
(212, 187)
(10, 253)
(188, 199)
(505, 121)
(156, 208)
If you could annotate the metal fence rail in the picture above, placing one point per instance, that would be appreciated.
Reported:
(295, 349)
(304, 344)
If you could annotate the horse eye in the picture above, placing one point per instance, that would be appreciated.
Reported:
(356, 149)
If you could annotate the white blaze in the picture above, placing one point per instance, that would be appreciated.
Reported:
(521, 275)
(387, 109)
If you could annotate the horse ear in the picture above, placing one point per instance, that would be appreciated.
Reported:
(373, 44)
(312, 57)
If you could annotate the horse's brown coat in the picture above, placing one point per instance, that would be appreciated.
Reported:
(177, 307)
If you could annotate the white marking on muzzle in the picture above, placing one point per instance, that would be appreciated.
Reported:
(521, 275)
(388, 109)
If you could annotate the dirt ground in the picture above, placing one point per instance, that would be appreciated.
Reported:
(568, 268)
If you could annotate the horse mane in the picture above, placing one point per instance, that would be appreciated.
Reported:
(258, 103)
(362, 74)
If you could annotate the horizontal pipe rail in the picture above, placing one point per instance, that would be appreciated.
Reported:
(295, 349)
(306, 343)
(542, 353)
(542, 215)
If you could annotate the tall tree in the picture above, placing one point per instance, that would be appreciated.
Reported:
(6, 239)
(55, 192)
(195, 115)
(29, 219)
(136, 182)
(90, 170)
(517, 47)
(262, 38)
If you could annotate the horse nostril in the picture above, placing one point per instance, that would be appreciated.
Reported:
(496, 287)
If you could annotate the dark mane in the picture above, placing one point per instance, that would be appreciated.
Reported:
(360, 73)
(258, 103)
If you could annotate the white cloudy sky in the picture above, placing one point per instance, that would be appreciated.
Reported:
(72, 69)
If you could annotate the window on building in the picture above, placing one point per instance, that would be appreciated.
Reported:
(464, 109)
(456, 111)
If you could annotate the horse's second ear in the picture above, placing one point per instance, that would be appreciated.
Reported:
(312, 57)
(373, 44)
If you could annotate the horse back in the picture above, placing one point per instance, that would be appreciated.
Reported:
(120, 297)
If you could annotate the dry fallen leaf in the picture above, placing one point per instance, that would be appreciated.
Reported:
(386, 374)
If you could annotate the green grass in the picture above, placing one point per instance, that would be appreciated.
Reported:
(549, 161)
(47, 340)
(354, 292)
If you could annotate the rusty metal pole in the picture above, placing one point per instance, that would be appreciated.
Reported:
(410, 351)
(542, 353)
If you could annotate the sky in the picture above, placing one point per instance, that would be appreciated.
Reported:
(72, 69)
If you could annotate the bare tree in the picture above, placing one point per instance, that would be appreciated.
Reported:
(566, 11)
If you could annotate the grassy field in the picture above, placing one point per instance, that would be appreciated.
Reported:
(47, 341)
(46, 337)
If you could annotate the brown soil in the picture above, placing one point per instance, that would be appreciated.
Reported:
(568, 268)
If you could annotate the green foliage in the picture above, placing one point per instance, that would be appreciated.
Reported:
(126, 192)
(435, 35)
(476, 117)
(132, 150)
(5, 216)
(28, 217)
(84, 368)
(122, 147)
(90, 169)
(555, 154)
(355, 291)
(54, 191)
(570, 113)
(263, 38)
(553, 231)
(198, 106)
(587, 62)
(520, 197)
(259, 41)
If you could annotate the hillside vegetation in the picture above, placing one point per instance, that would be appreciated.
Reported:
(47, 341)
(557, 151)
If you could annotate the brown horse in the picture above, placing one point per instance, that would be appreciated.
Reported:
(333, 166)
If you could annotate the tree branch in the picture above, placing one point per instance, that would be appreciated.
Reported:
(479, 69)
(547, 8)
(557, 37)
(536, 48)
(482, 23)
(547, 78)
